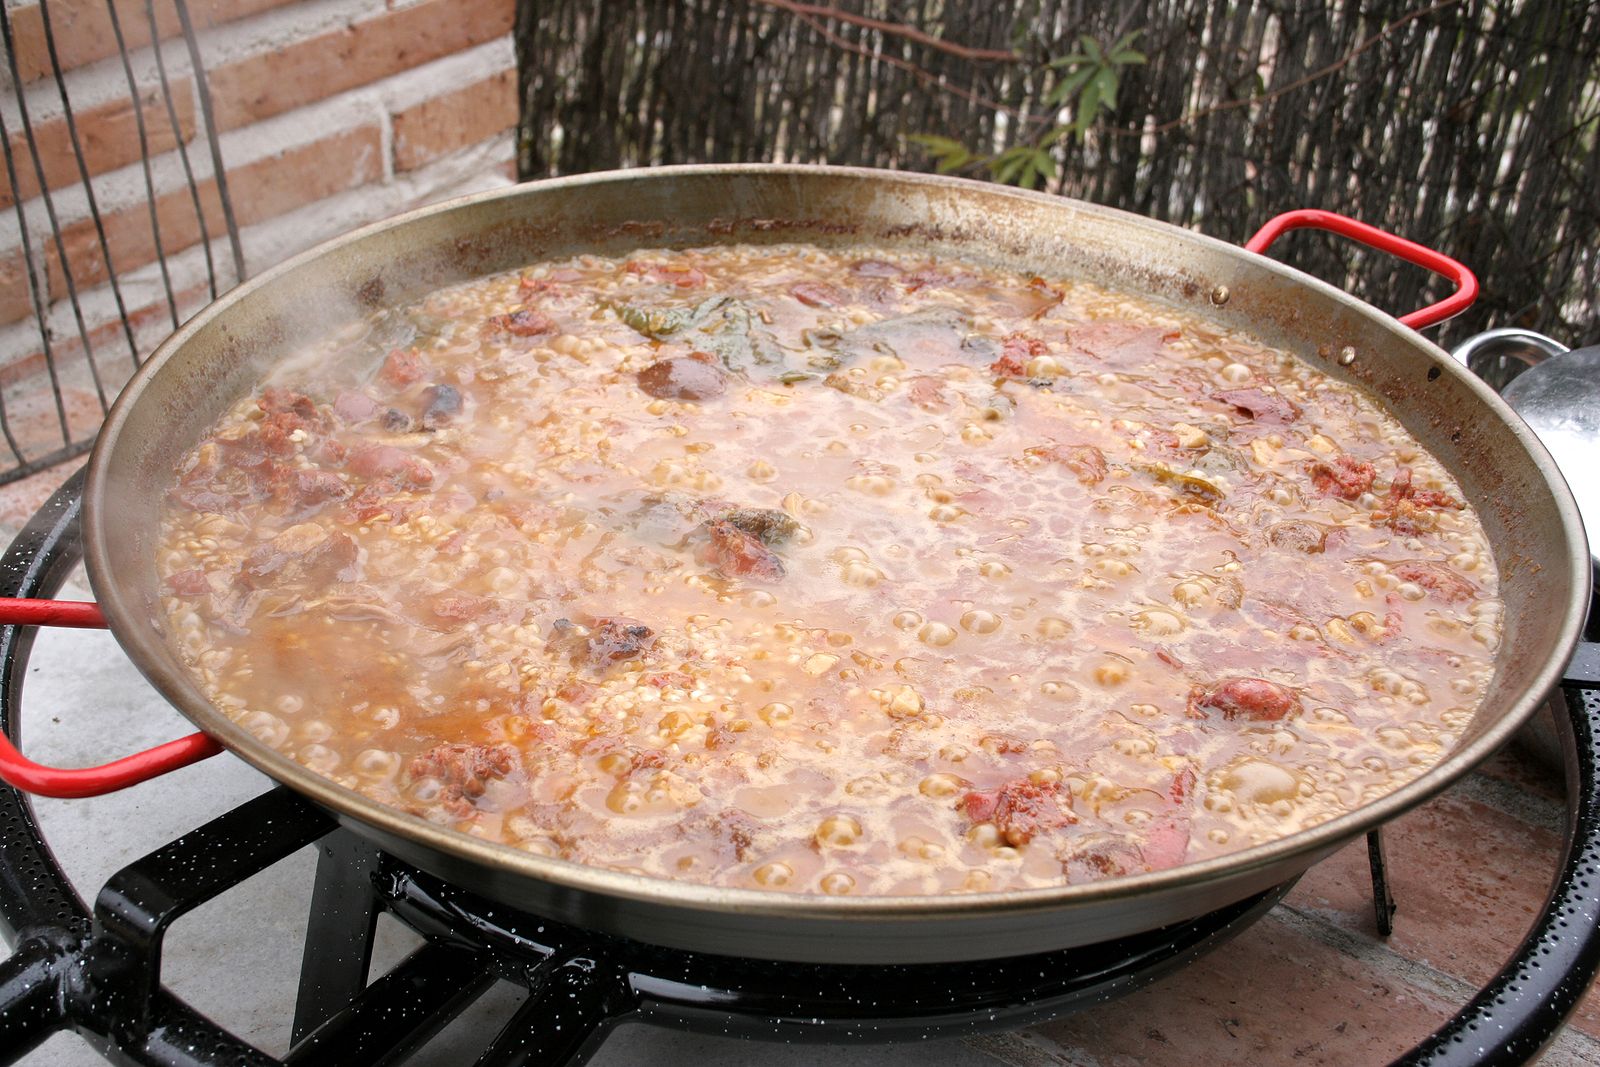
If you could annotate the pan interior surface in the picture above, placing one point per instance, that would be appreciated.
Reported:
(226, 350)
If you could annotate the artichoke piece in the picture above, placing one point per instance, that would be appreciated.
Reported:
(1191, 482)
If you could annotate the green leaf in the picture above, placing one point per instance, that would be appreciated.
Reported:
(937, 145)
(954, 161)
(1126, 39)
(1106, 83)
(1088, 106)
(1127, 57)
(1044, 164)
(1092, 48)
(1072, 59)
(1070, 86)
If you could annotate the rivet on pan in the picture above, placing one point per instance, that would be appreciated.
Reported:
(1347, 356)
(1219, 295)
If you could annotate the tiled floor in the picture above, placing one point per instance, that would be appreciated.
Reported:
(1310, 984)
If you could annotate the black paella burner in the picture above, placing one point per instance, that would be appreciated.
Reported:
(98, 971)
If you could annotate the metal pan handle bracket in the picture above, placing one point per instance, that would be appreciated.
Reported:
(22, 773)
(1314, 219)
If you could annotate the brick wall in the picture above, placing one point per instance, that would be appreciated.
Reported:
(331, 113)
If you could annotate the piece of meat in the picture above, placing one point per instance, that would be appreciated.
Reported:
(1021, 809)
(1166, 841)
(440, 404)
(1409, 511)
(1401, 488)
(1307, 537)
(387, 461)
(741, 555)
(875, 268)
(464, 772)
(615, 638)
(400, 368)
(302, 554)
(682, 378)
(1437, 579)
(1086, 461)
(1015, 351)
(1252, 699)
(355, 408)
(680, 275)
(819, 294)
(768, 525)
(459, 607)
(1345, 477)
(927, 393)
(189, 583)
(314, 487)
(523, 322)
(1259, 405)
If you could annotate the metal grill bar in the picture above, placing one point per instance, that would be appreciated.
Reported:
(27, 454)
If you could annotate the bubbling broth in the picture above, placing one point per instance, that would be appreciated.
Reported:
(846, 572)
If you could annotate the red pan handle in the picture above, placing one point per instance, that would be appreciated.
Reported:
(19, 771)
(1384, 241)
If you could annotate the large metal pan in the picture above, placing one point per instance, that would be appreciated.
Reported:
(224, 351)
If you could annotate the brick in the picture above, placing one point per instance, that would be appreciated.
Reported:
(304, 72)
(109, 134)
(1272, 995)
(1468, 880)
(454, 120)
(130, 239)
(83, 33)
(15, 303)
(260, 190)
(110, 346)
(279, 184)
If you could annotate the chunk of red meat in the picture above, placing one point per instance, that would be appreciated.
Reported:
(1437, 579)
(458, 607)
(523, 322)
(819, 294)
(1015, 351)
(1182, 788)
(275, 401)
(1101, 857)
(615, 638)
(527, 287)
(680, 275)
(929, 278)
(1260, 405)
(189, 583)
(1401, 488)
(875, 268)
(1021, 809)
(1086, 461)
(401, 367)
(682, 378)
(355, 408)
(1252, 699)
(379, 498)
(669, 680)
(1408, 510)
(1345, 477)
(464, 772)
(440, 403)
(1166, 841)
(313, 487)
(739, 555)
(387, 461)
(927, 392)
(297, 556)
(1307, 537)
